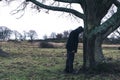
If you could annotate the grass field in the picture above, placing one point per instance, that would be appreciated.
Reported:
(27, 62)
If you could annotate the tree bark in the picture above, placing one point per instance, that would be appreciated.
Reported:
(99, 57)
(92, 52)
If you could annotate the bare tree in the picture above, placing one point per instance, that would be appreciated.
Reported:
(45, 37)
(18, 36)
(5, 33)
(32, 34)
(25, 35)
(65, 34)
(53, 35)
(59, 36)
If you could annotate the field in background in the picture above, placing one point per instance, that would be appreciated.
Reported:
(26, 44)
(26, 61)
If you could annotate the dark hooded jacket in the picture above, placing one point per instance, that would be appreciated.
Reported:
(73, 40)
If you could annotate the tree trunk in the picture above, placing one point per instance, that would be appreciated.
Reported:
(92, 47)
(92, 52)
(99, 57)
(92, 44)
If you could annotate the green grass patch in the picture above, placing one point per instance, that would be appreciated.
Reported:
(48, 64)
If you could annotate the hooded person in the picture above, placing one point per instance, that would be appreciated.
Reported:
(71, 46)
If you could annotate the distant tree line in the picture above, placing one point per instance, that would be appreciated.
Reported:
(60, 37)
(113, 38)
(6, 33)
(54, 35)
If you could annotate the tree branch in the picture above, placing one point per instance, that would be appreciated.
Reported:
(69, 1)
(76, 13)
(111, 29)
(112, 23)
(117, 3)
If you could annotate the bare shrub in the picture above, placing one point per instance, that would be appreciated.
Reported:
(118, 48)
(46, 45)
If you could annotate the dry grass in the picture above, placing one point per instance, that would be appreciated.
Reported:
(27, 61)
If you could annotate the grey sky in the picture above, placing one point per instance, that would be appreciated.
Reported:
(41, 22)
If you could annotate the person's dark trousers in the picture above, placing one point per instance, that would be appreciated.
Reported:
(69, 62)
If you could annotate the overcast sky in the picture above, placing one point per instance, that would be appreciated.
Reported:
(41, 22)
